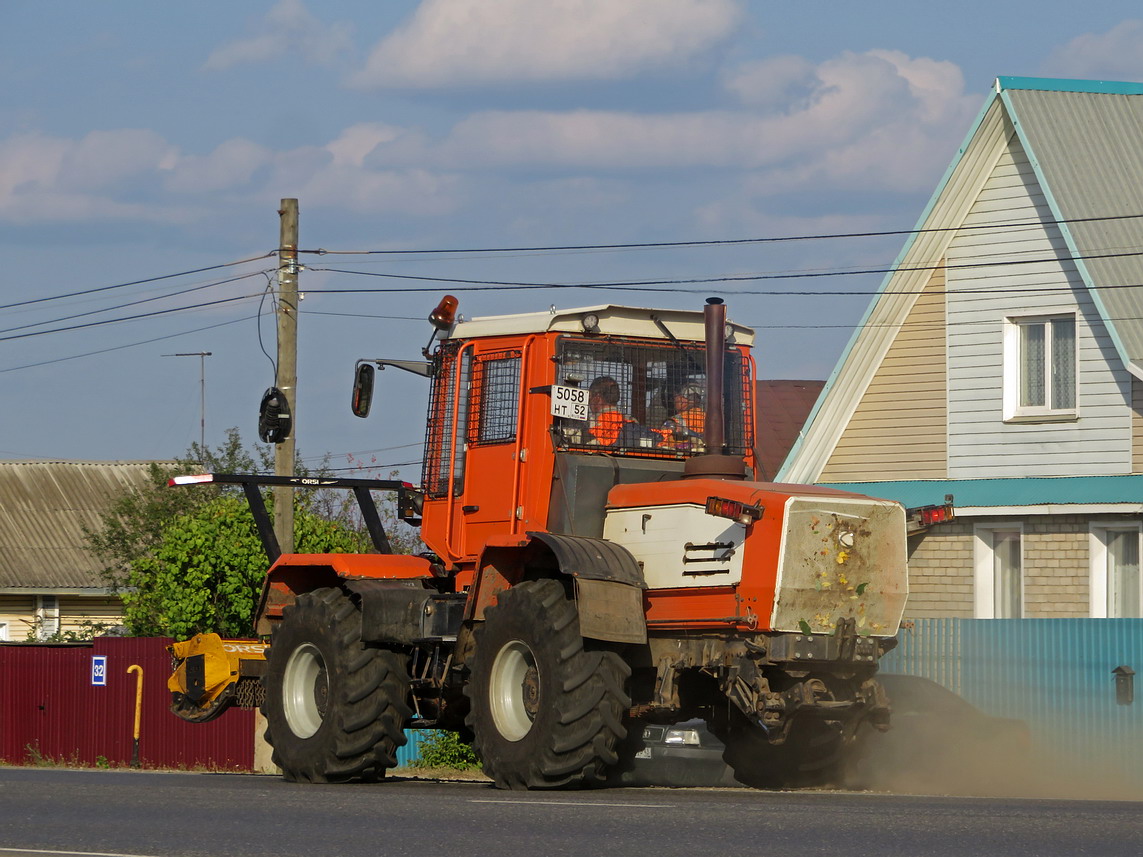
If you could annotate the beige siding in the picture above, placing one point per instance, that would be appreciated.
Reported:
(16, 614)
(1056, 569)
(899, 428)
(1136, 425)
(1032, 275)
(78, 614)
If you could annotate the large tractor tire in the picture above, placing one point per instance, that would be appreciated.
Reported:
(545, 712)
(335, 708)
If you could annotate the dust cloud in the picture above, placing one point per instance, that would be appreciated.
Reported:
(1004, 762)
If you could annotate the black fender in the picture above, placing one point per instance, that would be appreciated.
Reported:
(593, 559)
(609, 586)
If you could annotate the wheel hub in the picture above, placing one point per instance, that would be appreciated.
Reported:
(514, 690)
(321, 692)
(305, 690)
(530, 690)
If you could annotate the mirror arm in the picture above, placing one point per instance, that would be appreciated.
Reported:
(424, 368)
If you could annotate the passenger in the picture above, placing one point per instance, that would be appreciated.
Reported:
(684, 430)
(607, 420)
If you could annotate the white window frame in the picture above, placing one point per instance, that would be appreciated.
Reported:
(4, 632)
(1013, 331)
(984, 583)
(1098, 588)
(47, 616)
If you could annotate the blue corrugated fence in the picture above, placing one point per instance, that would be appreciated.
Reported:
(1055, 674)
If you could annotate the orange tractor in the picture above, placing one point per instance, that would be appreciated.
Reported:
(599, 559)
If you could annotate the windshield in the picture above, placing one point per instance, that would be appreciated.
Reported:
(648, 398)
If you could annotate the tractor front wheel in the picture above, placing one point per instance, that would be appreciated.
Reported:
(545, 712)
(335, 708)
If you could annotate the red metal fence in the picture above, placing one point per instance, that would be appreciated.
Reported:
(52, 708)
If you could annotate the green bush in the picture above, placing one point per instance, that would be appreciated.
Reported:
(444, 749)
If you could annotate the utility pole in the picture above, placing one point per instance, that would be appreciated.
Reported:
(287, 380)
(201, 355)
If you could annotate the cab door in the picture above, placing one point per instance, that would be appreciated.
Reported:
(486, 506)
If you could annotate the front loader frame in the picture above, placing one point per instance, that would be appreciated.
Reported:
(407, 499)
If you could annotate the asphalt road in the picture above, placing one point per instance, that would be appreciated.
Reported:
(185, 815)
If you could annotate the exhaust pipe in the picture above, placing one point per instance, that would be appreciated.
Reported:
(714, 427)
(716, 464)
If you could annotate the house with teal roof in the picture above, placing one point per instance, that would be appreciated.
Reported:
(1001, 362)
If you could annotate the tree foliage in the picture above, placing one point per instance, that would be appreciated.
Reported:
(206, 573)
(188, 560)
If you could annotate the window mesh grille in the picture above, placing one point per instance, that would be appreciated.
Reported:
(438, 429)
(656, 406)
(496, 398)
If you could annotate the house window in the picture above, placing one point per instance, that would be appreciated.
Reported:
(999, 573)
(1040, 367)
(3, 632)
(47, 616)
(1116, 585)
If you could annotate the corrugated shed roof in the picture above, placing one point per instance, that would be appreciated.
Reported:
(781, 412)
(44, 506)
(1085, 146)
(1032, 491)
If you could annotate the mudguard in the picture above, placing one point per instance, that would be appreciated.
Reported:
(608, 582)
(593, 559)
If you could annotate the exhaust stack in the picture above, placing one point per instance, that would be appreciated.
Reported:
(716, 464)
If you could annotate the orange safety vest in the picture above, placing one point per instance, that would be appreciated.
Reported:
(606, 425)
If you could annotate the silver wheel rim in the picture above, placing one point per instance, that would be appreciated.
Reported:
(303, 683)
(513, 690)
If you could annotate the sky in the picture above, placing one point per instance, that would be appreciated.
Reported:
(145, 148)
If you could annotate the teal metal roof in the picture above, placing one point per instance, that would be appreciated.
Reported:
(1032, 491)
(1055, 84)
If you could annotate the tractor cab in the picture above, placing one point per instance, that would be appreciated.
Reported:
(533, 418)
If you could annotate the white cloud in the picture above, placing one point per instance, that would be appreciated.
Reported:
(1114, 55)
(874, 121)
(860, 120)
(449, 43)
(230, 166)
(775, 82)
(414, 192)
(49, 178)
(136, 175)
(358, 141)
(288, 28)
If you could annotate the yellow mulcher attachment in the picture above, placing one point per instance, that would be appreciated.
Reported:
(211, 674)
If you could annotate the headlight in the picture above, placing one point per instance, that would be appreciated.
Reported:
(690, 737)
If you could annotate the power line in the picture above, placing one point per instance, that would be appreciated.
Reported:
(137, 282)
(725, 242)
(129, 317)
(637, 285)
(364, 315)
(164, 296)
(362, 452)
(128, 345)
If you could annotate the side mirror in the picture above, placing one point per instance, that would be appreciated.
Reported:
(362, 389)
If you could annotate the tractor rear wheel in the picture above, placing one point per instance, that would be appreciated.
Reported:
(335, 708)
(809, 757)
(545, 712)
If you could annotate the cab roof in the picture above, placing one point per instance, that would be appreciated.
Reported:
(685, 325)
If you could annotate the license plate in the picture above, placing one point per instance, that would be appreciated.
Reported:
(645, 753)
